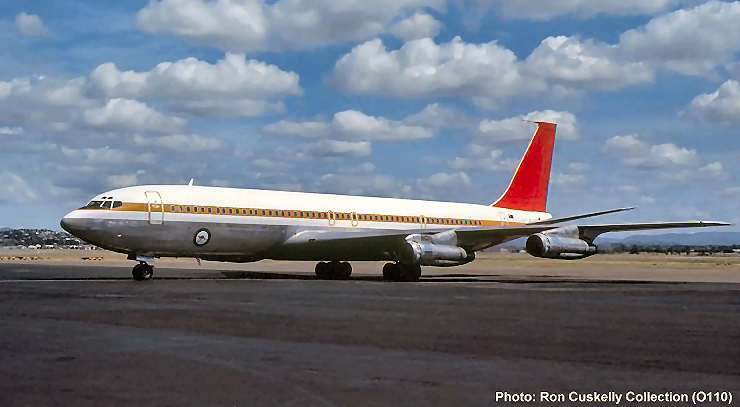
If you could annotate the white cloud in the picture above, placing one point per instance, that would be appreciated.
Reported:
(180, 142)
(647, 200)
(11, 131)
(712, 170)
(30, 25)
(626, 189)
(422, 68)
(13, 188)
(358, 125)
(722, 105)
(446, 180)
(585, 64)
(566, 179)
(690, 41)
(362, 184)
(122, 180)
(220, 183)
(520, 128)
(577, 166)
(63, 106)
(233, 86)
(351, 125)
(310, 129)
(581, 8)
(436, 115)
(635, 152)
(478, 157)
(121, 113)
(104, 156)
(442, 185)
(419, 25)
(258, 25)
(338, 148)
(733, 192)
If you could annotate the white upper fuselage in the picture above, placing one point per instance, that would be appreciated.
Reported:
(433, 212)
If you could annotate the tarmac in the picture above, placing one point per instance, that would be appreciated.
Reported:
(268, 333)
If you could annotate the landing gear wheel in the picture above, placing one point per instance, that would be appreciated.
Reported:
(142, 271)
(323, 271)
(391, 272)
(410, 272)
(333, 270)
(343, 271)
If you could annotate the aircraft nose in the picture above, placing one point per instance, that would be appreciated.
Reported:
(71, 224)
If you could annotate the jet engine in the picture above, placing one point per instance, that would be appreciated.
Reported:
(554, 246)
(439, 249)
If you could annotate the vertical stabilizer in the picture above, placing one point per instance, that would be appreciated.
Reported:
(527, 190)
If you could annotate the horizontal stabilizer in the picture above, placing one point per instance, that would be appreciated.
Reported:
(585, 215)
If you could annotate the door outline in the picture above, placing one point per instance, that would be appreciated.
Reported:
(154, 207)
(353, 218)
(332, 218)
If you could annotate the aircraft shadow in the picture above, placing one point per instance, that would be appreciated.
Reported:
(440, 278)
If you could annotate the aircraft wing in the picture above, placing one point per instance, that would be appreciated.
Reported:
(585, 215)
(480, 238)
(476, 238)
(590, 232)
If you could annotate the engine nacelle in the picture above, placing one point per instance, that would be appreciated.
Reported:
(553, 246)
(430, 254)
(452, 263)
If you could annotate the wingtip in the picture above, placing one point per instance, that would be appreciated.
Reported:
(714, 223)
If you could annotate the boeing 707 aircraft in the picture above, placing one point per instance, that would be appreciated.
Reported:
(245, 225)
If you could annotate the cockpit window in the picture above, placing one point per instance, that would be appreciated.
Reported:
(94, 204)
(107, 204)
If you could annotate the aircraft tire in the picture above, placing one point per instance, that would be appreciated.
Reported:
(391, 272)
(410, 272)
(148, 272)
(142, 271)
(344, 270)
(323, 270)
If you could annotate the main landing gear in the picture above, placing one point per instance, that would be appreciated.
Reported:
(143, 271)
(401, 272)
(333, 270)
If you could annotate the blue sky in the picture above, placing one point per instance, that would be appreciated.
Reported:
(406, 98)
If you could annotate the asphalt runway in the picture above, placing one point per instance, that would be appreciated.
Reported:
(85, 334)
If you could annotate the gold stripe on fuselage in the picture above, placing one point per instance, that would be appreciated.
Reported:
(300, 214)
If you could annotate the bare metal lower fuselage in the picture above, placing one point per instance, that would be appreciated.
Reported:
(234, 242)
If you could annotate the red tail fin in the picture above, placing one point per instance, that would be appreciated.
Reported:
(528, 189)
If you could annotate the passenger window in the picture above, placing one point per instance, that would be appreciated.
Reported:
(117, 204)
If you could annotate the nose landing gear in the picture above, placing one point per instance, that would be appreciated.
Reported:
(142, 271)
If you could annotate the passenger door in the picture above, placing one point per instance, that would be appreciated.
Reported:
(154, 207)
